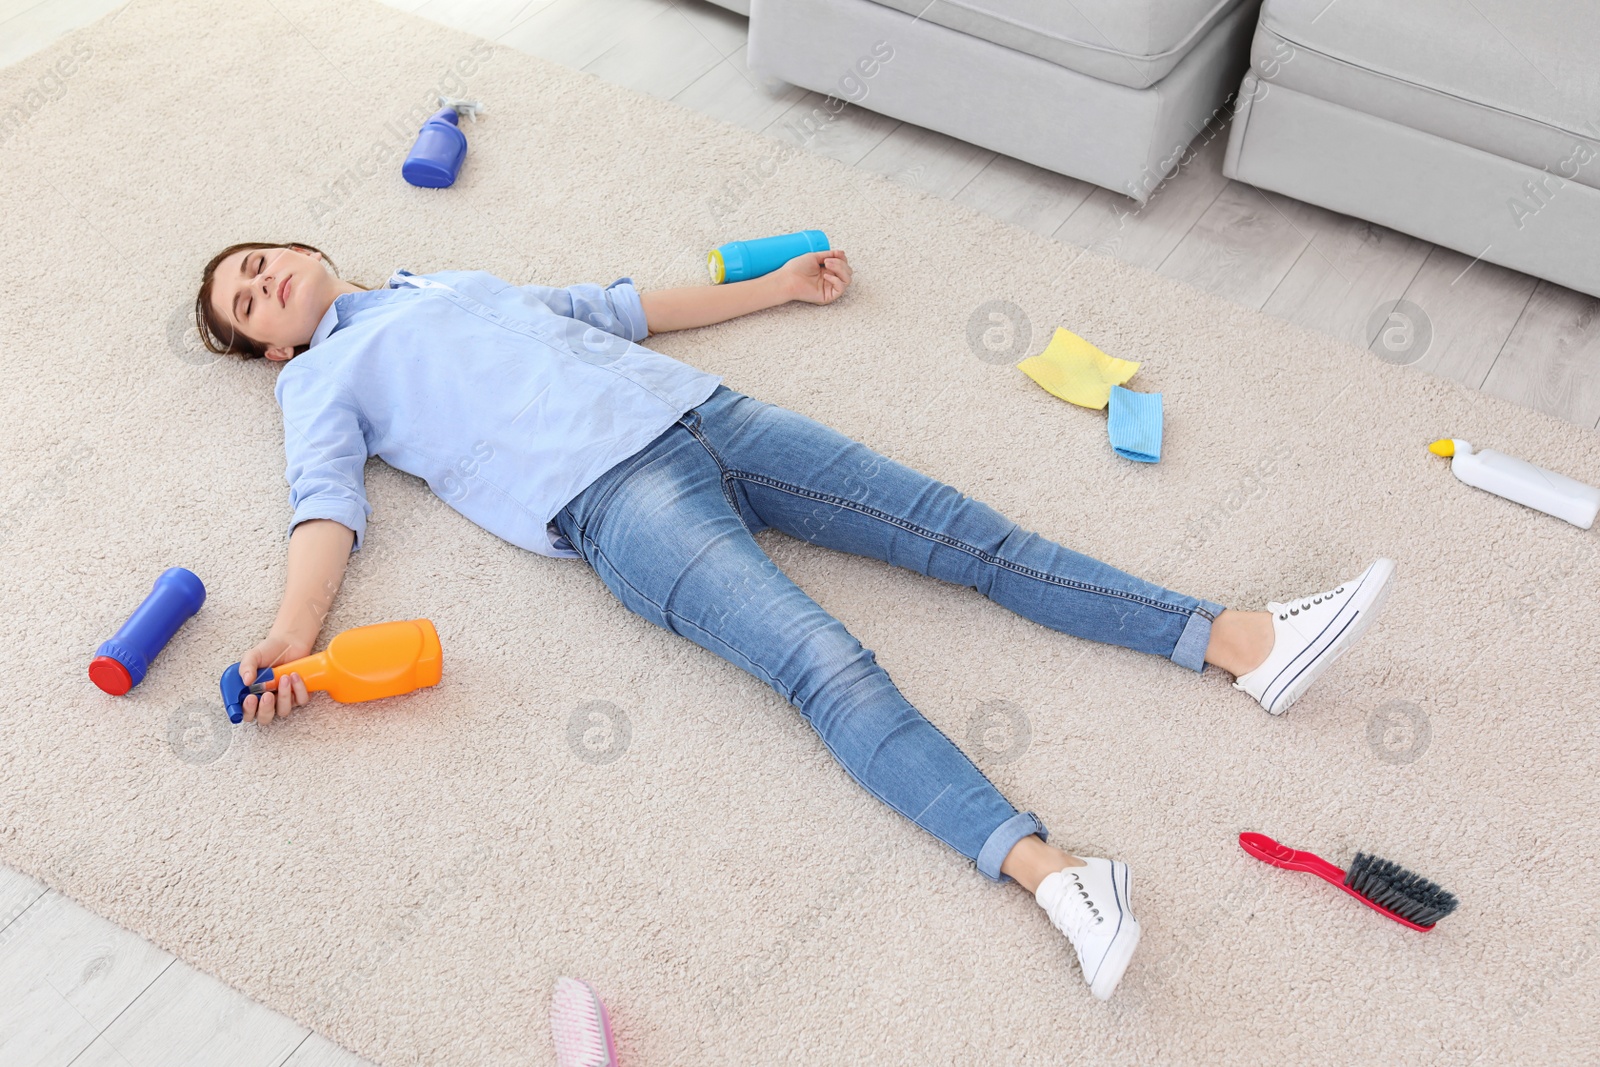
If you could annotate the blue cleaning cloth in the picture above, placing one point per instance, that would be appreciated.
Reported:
(1135, 424)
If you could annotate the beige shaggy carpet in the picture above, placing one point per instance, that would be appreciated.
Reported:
(409, 877)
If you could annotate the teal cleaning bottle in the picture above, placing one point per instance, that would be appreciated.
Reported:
(739, 261)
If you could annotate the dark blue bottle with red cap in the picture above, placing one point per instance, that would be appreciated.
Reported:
(122, 662)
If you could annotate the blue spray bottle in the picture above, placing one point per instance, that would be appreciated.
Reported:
(441, 147)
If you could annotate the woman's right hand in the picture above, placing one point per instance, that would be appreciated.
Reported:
(283, 700)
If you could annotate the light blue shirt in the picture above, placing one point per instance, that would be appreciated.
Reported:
(508, 400)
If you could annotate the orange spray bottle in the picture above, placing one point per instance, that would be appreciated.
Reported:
(369, 662)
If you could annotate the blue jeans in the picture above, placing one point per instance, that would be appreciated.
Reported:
(668, 530)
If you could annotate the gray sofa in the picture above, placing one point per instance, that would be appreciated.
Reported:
(1109, 91)
(1474, 126)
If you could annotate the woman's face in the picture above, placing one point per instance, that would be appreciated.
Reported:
(274, 295)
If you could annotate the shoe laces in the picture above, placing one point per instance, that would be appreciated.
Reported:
(1076, 913)
(1307, 604)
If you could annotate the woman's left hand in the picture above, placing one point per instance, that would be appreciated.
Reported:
(817, 277)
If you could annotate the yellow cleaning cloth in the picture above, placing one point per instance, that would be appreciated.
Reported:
(1076, 370)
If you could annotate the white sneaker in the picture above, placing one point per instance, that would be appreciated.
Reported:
(1090, 905)
(1311, 632)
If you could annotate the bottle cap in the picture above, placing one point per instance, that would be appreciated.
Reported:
(732, 262)
(715, 266)
(461, 106)
(117, 667)
(109, 674)
(1445, 447)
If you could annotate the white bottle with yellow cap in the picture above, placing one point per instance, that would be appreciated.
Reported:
(1516, 479)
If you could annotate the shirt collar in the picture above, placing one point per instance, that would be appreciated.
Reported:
(338, 311)
(330, 319)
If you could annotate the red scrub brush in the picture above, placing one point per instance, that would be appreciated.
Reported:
(1408, 899)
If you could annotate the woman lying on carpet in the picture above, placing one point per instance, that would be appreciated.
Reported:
(533, 412)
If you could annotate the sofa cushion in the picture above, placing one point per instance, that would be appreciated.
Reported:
(996, 97)
(1129, 42)
(1519, 80)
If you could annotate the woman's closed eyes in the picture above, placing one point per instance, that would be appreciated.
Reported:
(261, 264)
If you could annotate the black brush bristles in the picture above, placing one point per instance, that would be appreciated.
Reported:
(1408, 895)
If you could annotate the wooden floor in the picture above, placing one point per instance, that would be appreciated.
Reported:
(76, 989)
(1529, 341)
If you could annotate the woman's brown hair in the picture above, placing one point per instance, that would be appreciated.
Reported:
(219, 336)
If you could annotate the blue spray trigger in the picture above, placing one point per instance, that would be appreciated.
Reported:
(234, 691)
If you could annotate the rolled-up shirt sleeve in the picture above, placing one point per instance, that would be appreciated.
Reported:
(326, 452)
(615, 308)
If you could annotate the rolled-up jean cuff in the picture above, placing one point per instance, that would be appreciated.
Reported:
(1004, 839)
(1196, 636)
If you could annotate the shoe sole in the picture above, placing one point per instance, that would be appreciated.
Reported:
(1346, 628)
(1126, 939)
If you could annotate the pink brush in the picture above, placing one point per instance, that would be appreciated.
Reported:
(580, 1026)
